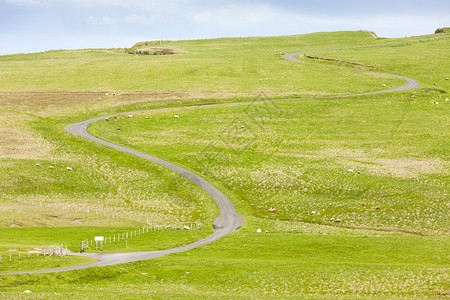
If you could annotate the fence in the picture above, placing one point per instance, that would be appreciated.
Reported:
(45, 251)
(124, 236)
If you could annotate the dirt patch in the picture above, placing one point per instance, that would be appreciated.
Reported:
(15, 224)
(77, 221)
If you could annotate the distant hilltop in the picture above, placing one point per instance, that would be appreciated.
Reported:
(443, 30)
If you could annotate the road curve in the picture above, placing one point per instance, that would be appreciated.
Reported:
(229, 220)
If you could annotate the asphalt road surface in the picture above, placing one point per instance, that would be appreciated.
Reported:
(228, 221)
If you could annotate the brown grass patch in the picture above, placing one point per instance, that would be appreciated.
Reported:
(398, 167)
(66, 103)
(18, 141)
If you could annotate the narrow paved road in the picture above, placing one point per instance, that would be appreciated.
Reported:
(228, 221)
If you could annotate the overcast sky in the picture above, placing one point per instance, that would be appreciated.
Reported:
(37, 25)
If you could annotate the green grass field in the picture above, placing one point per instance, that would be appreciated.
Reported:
(380, 231)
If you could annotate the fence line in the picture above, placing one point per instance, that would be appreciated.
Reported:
(60, 251)
(125, 236)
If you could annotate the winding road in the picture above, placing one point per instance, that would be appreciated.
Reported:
(229, 220)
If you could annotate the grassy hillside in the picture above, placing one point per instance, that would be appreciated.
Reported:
(220, 65)
(380, 231)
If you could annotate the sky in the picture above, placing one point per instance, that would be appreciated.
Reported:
(38, 25)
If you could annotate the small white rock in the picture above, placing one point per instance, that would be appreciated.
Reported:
(106, 94)
(130, 116)
(331, 219)
(176, 116)
(38, 165)
(146, 117)
(446, 99)
(259, 230)
(313, 212)
(69, 169)
(350, 171)
(107, 119)
(384, 85)
(27, 292)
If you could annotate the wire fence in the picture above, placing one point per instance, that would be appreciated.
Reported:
(125, 236)
(15, 255)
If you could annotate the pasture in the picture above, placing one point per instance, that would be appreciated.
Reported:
(353, 191)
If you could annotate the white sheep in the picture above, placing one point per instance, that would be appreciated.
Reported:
(130, 116)
(176, 116)
(69, 169)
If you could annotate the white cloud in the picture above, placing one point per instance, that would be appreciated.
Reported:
(27, 2)
(105, 20)
(137, 6)
(240, 15)
(142, 20)
(270, 18)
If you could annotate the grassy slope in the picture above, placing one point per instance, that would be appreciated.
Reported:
(297, 161)
(222, 65)
(349, 266)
